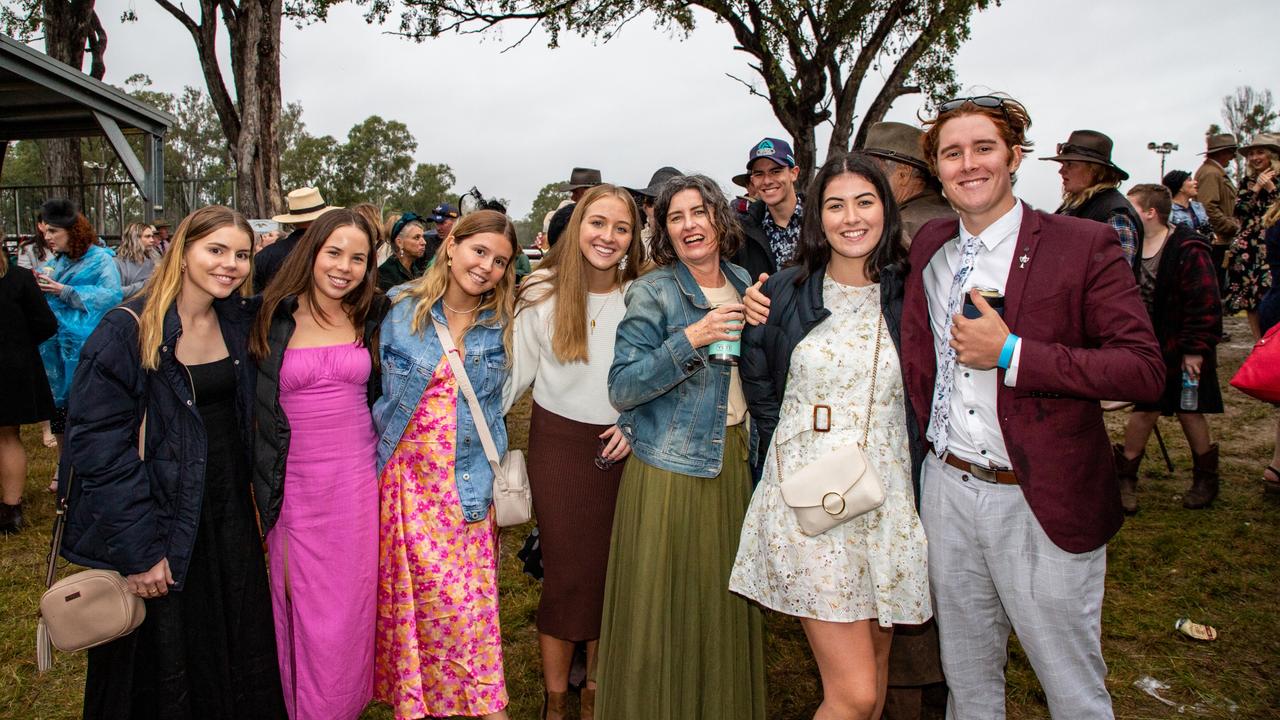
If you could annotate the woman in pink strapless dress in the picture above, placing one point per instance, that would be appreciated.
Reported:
(315, 476)
(323, 550)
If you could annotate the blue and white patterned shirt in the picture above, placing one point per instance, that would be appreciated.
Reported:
(783, 240)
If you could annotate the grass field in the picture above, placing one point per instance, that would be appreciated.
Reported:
(1216, 566)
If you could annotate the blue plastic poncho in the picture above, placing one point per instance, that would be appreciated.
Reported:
(92, 288)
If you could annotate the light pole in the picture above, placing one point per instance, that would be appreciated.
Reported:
(1163, 149)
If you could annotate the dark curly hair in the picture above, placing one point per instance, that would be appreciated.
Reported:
(813, 251)
(728, 232)
(82, 237)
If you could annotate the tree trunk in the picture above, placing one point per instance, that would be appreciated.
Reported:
(249, 122)
(255, 60)
(67, 29)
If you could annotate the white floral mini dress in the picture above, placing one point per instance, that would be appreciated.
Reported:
(873, 566)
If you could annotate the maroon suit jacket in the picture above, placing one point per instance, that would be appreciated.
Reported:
(1085, 336)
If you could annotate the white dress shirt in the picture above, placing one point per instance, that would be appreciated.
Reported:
(974, 433)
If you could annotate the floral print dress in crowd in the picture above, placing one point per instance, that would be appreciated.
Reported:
(439, 646)
(873, 566)
(1247, 274)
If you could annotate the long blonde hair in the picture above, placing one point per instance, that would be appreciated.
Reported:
(1272, 214)
(428, 289)
(131, 248)
(566, 280)
(166, 282)
(1104, 178)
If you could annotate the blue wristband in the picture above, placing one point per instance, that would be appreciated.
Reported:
(1006, 352)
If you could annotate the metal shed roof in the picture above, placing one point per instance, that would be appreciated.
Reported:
(43, 98)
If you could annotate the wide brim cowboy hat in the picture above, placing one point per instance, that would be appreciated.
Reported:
(581, 178)
(660, 177)
(898, 142)
(305, 204)
(1088, 146)
(1270, 141)
(1219, 142)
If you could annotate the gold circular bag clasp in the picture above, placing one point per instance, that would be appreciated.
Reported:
(833, 500)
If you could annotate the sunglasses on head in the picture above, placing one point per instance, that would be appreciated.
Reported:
(982, 101)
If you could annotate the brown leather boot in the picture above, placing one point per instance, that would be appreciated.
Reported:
(587, 704)
(1127, 474)
(1204, 480)
(554, 705)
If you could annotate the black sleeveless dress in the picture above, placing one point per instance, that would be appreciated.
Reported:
(209, 651)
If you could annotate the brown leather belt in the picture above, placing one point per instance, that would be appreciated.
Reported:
(1002, 477)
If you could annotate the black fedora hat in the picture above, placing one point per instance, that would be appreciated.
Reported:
(660, 176)
(1088, 146)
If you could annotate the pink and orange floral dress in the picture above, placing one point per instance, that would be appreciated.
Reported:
(439, 645)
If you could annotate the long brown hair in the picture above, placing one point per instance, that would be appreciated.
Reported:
(428, 289)
(295, 279)
(165, 283)
(566, 280)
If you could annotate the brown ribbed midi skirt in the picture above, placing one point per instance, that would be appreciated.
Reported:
(574, 503)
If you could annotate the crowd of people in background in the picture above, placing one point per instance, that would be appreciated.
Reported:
(698, 365)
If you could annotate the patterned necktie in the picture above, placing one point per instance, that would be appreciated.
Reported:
(946, 377)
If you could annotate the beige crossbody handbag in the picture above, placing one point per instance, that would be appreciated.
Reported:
(840, 485)
(512, 498)
(91, 607)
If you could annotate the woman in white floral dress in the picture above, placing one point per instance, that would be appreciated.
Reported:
(827, 316)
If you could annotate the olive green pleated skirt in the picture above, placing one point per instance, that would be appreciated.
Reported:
(675, 644)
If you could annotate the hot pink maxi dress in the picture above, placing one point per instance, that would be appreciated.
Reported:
(323, 551)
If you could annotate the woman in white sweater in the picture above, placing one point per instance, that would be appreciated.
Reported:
(567, 317)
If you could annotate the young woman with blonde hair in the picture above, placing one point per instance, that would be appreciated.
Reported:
(566, 321)
(1247, 275)
(159, 439)
(136, 257)
(438, 646)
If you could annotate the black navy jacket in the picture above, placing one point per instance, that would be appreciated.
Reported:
(124, 514)
(793, 312)
(756, 254)
(271, 443)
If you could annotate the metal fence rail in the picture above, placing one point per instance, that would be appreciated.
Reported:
(112, 206)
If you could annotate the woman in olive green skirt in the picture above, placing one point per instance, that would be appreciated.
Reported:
(675, 644)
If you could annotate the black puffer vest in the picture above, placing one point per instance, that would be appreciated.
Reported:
(271, 439)
(1102, 207)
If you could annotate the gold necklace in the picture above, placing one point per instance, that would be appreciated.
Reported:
(456, 310)
(866, 295)
(603, 305)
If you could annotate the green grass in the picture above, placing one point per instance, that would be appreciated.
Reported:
(1216, 567)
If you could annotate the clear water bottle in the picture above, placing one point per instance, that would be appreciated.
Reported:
(1190, 399)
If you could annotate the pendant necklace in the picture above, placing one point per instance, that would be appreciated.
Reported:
(603, 305)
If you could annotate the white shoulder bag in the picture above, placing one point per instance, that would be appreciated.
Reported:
(840, 485)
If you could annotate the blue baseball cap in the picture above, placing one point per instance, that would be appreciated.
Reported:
(773, 149)
(444, 211)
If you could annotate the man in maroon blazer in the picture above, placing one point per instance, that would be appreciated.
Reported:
(1019, 495)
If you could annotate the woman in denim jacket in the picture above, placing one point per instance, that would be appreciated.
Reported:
(438, 649)
(675, 643)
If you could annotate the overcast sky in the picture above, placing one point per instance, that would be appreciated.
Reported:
(1138, 70)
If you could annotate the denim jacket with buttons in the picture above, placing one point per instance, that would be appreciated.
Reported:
(673, 401)
(408, 362)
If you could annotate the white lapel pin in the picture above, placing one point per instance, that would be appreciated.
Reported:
(1022, 261)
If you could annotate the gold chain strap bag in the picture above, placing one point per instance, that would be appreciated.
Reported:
(512, 496)
(840, 485)
(91, 607)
